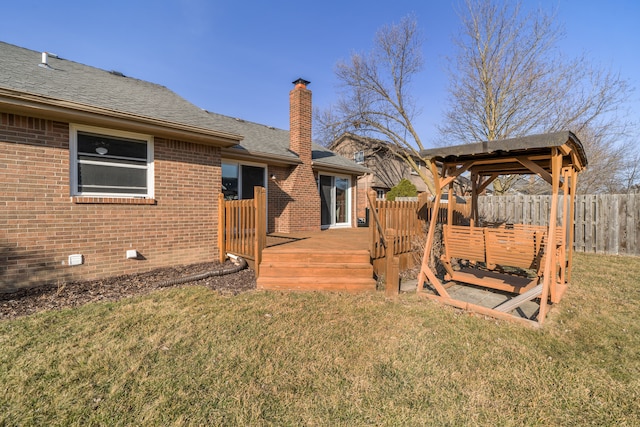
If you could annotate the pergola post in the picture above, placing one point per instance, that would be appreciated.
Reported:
(425, 270)
(474, 199)
(572, 206)
(549, 278)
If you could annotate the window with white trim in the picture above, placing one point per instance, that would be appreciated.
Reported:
(110, 163)
(420, 165)
(358, 157)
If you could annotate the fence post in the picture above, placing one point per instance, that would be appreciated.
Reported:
(392, 267)
(221, 229)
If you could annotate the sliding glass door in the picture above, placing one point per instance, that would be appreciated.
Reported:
(239, 180)
(335, 201)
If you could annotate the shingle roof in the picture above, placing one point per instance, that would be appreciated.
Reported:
(508, 148)
(20, 70)
(258, 139)
(65, 80)
(262, 140)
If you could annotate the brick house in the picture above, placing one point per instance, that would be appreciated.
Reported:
(95, 164)
(386, 169)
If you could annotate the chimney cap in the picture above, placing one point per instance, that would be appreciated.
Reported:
(301, 82)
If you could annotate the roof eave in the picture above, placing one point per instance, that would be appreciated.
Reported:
(564, 140)
(56, 109)
(269, 158)
(339, 169)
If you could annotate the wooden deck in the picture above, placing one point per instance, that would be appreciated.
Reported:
(330, 260)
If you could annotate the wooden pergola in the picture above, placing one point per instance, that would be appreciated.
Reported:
(495, 256)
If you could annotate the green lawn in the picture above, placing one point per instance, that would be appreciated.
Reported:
(189, 356)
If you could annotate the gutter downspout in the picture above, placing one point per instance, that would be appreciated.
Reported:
(240, 264)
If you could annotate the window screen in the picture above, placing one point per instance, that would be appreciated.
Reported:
(111, 165)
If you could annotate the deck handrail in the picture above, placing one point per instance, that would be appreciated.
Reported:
(407, 219)
(242, 228)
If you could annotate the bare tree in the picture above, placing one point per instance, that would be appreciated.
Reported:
(508, 79)
(631, 174)
(376, 95)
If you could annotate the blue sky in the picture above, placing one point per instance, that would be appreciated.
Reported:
(239, 58)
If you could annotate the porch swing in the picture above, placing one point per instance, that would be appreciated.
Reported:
(529, 262)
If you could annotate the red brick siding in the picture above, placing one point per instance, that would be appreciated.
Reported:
(299, 209)
(42, 225)
(277, 200)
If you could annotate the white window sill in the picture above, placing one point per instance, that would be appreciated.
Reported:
(112, 200)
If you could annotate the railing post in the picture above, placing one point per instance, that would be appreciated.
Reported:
(221, 229)
(260, 224)
(376, 231)
(392, 267)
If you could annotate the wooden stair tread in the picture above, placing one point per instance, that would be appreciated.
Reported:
(307, 257)
(355, 280)
(313, 265)
(315, 251)
(350, 284)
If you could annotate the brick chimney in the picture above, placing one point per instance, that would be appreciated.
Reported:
(301, 211)
(300, 120)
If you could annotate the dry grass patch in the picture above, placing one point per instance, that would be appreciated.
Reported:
(189, 356)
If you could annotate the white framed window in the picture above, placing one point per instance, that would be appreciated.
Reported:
(110, 163)
(420, 166)
(381, 194)
(358, 157)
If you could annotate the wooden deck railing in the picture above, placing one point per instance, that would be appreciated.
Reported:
(407, 219)
(402, 217)
(242, 227)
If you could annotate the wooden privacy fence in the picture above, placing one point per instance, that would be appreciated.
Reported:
(242, 227)
(604, 223)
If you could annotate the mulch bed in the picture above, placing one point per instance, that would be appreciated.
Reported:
(73, 294)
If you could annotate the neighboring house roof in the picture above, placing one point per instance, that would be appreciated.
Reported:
(374, 143)
(351, 136)
(387, 167)
(323, 158)
(75, 91)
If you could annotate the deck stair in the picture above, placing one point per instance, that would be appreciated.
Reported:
(314, 270)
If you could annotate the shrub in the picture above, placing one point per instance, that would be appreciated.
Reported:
(402, 189)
